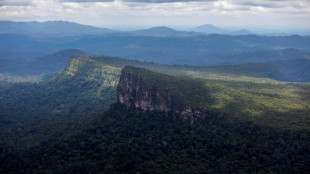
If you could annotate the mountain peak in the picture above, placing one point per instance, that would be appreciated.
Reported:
(241, 32)
(209, 28)
(161, 28)
(207, 25)
(160, 31)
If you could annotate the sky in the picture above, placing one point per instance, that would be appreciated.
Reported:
(259, 13)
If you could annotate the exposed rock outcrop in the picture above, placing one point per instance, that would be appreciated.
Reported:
(134, 91)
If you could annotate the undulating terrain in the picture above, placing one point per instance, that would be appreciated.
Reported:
(176, 102)
(62, 125)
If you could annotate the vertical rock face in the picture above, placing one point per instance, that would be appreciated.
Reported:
(133, 91)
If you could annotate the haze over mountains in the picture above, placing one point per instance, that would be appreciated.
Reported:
(53, 28)
(154, 86)
(42, 39)
(25, 44)
(210, 29)
(64, 28)
(203, 101)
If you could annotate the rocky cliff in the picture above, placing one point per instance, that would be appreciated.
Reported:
(152, 91)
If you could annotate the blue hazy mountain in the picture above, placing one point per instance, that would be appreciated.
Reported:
(165, 46)
(241, 32)
(267, 56)
(52, 28)
(297, 70)
(195, 50)
(50, 63)
(161, 31)
(210, 29)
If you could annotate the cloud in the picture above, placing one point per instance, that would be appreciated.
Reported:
(140, 1)
(86, 0)
(261, 4)
(160, 12)
(15, 2)
(272, 3)
(167, 1)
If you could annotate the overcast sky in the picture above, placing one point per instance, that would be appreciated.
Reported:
(277, 13)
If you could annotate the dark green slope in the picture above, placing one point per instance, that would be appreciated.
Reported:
(131, 141)
(54, 127)
(31, 113)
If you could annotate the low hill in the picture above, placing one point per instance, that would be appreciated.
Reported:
(35, 70)
(297, 70)
(267, 56)
(293, 64)
(53, 62)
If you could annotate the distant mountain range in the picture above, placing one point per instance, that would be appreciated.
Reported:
(210, 29)
(161, 31)
(202, 50)
(52, 28)
(63, 28)
(25, 44)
